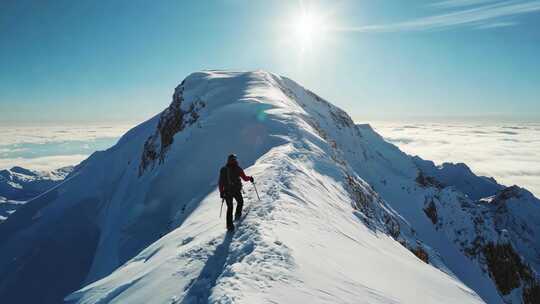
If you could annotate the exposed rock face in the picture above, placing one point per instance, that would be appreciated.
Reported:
(173, 120)
(531, 294)
(420, 253)
(428, 181)
(431, 211)
(509, 272)
(362, 198)
(506, 194)
(489, 232)
(374, 213)
(505, 267)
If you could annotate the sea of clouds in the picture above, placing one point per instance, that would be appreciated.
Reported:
(52, 147)
(509, 152)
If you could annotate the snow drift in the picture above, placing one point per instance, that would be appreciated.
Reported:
(344, 216)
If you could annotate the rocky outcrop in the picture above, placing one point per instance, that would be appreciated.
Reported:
(431, 211)
(376, 215)
(428, 181)
(506, 194)
(509, 272)
(531, 294)
(420, 253)
(489, 232)
(173, 120)
(505, 267)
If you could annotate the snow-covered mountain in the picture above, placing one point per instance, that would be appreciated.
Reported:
(18, 185)
(344, 216)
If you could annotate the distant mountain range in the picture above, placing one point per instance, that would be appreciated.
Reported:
(18, 185)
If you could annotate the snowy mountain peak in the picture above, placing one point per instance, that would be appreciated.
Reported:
(23, 171)
(222, 89)
(341, 212)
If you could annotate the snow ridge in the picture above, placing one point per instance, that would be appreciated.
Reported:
(342, 212)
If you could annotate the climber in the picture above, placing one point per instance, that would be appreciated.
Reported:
(230, 186)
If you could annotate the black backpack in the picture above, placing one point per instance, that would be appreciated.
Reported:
(229, 177)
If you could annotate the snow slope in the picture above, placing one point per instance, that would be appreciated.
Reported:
(302, 242)
(344, 216)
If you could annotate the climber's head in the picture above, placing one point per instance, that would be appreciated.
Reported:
(232, 159)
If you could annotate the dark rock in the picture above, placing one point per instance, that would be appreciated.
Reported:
(431, 211)
(531, 294)
(428, 181)
(506, 194)
(506, 268)
(173, 120)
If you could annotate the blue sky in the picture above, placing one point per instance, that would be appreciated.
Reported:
(91, 61)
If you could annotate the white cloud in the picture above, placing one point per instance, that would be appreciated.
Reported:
(483, 16)
(509, 153)
(495, 25)
(46, 163)
(459, 3)
(10, 135)
(52, 147)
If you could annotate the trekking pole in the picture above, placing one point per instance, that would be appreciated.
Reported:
(257, 192)
(221, 209)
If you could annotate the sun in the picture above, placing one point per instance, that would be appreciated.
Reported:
(306, 33)
(308, 28)
(307, 25)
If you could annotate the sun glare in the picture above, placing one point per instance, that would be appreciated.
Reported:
(306, 33)
(308, 28)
